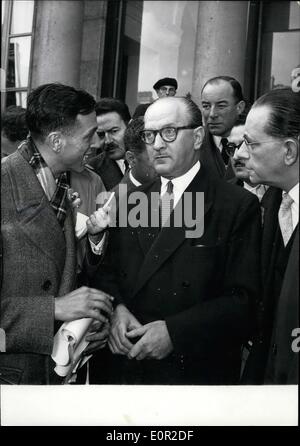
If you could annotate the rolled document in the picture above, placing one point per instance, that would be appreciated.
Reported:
(80, 227)
(81, 219)
(69, 343)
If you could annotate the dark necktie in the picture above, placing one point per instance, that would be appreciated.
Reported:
(126, 164)
(225, 157)
(167, 203)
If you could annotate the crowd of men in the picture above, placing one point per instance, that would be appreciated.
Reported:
(190, 273)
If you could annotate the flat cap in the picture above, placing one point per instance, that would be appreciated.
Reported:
(166, 81)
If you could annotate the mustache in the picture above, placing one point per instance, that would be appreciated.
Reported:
(111, 146)
(238, 163)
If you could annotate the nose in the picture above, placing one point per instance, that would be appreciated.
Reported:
(242, 152)
(235, 156)
(108, 138)
(159, 143)
(96, 143)
(213, 111)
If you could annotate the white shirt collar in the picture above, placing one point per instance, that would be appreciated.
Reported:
(258, 190)
(180, 183)
(294, 194)
(217, 141)
(121, 164)
(134, 180)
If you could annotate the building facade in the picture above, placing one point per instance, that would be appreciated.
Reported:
(121, 48)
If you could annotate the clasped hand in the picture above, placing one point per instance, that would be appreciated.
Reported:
(154, 341)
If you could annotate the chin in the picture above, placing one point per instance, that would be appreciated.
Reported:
(242, 175)
(116, 155)
(161, 168)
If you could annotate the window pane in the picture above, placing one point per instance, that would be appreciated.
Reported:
(294, 22)
(280, 54)
(4, 5)
(22, 16)
(16, 98)
(285, 57)
(159, 42)
(18, 62)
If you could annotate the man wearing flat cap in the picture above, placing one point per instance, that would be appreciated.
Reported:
(166, 87)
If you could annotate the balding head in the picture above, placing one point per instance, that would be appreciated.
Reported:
(176, 150)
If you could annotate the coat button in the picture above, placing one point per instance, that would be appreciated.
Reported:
(156, 257)
(186, 284)
(46, 285)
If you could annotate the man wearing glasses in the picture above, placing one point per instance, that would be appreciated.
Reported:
(166, 87)
(184, 304)
(235, 140)
(270, 151)
(222, 105)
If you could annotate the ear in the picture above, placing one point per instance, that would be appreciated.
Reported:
(291, 151)
(241, 107)
(55, 141)
(130, 158)
(198, 137)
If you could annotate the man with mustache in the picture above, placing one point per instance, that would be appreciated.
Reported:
(235, 140)
(222, 104)
(112, 119)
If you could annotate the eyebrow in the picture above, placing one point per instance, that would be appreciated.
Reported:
(109, 130)
(222, 101)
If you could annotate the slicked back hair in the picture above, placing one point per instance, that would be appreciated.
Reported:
(132, 138)
(108, 105)
(194, 111)
(285, 112)
(55, 106)
(237, 89)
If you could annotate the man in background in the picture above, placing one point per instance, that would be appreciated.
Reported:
(166, 87)
(13, 129)
(112, 119)
(141, 170)
(222, 104)
(235, 140)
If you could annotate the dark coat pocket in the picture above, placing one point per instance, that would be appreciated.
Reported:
(9, 375)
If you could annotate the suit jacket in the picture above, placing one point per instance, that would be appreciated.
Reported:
(108, 170)
(211, 159)
(272, 360)
(202, 287)
(39, 263)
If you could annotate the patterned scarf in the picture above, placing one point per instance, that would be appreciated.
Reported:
(56, 191)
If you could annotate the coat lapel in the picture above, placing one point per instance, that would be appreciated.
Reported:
(168, 239)
(270, 203)
(35, 213)
(68, 279)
